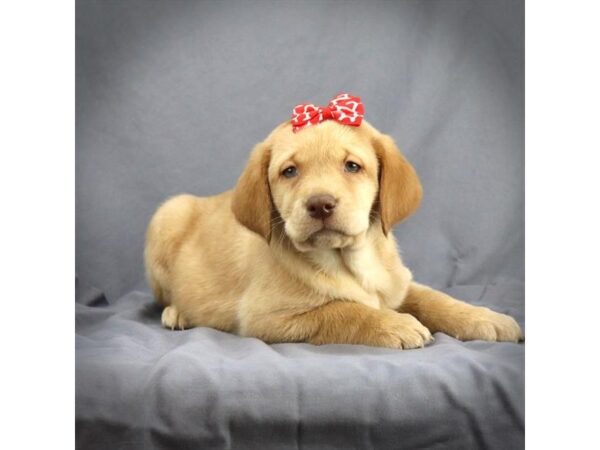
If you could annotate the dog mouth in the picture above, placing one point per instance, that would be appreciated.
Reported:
(325, 237)
(322, 234)
(327, 230)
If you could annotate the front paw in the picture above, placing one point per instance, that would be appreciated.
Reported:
(487, 325)
(401, 331)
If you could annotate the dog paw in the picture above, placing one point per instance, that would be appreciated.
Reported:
(404, 331)
(172, 319)
(487, 325)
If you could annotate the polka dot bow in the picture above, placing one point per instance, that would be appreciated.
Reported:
(345, 108)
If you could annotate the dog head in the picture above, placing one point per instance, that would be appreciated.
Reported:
(326, 185)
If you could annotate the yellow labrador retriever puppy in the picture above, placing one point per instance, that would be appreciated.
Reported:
(302, 249)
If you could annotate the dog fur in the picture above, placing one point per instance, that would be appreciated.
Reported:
(252, 261)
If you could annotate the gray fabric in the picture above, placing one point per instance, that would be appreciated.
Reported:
(141, 386)
(172, 95)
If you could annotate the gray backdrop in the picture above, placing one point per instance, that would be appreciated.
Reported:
(172, 95)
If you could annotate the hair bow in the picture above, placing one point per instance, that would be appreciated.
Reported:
(345, 108)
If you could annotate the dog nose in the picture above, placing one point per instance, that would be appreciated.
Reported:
(320, 206)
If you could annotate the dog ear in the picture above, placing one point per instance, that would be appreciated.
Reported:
(251, 203)
(400, 190)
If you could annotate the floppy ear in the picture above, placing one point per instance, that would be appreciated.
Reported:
(400, 190)
(251, 203)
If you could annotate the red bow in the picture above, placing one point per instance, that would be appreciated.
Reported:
(344, 108)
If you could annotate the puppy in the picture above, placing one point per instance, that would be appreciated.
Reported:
(302, 249)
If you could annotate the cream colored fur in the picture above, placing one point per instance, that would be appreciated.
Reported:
(251, 261)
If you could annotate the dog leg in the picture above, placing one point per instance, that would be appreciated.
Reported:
(440, 312)
(340, 322)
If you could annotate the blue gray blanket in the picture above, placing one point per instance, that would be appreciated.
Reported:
(141, 386)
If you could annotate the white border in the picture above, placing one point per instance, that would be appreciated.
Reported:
(37, 224)
(562, 224)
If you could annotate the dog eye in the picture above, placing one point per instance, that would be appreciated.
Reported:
(352, 167)
(290, 172)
